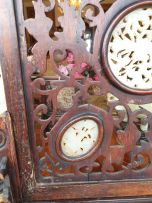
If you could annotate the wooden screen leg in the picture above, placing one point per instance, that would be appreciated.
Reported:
(9, 173)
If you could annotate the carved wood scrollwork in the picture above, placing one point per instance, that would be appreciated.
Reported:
(120, 145)
(5, 189)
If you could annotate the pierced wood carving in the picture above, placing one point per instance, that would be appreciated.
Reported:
(4, 182)
(68, 85)
(5, 189)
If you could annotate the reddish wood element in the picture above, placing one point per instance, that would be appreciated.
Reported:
(8, 163)
(122, 154)
(4, 182)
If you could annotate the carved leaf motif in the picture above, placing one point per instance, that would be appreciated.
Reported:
(39, 28)
(52, 116)
(39, 23)
(129, 137)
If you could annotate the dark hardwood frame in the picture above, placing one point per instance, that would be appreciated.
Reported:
(23, 183)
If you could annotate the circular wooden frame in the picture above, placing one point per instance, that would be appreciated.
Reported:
(104, 51)
(92, 150)
(105, 131)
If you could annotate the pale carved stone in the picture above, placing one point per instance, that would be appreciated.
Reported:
(65, 97)
(130, 50)
(80, 138)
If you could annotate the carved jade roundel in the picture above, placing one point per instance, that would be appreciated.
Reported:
(130, 50)
(80, 138)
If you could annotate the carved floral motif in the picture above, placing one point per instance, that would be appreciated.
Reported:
(125, 149)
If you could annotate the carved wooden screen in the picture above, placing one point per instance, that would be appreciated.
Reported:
(88, 107)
